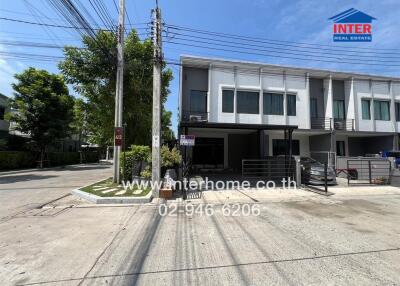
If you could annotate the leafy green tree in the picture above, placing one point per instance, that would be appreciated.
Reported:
(166, 132)
(79, 124)
(43, 107)
(92, 72)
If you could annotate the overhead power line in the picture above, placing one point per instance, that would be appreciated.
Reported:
(319, 59)
(235, 36)
(55, 25)
(244, 44)
(291, 52)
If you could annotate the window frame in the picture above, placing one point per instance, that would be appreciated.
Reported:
(257, 92)
(2, 112)
(295, 147)
(190, 101)
(397, 110)
(343, 105)
(313, 99)
(282, 94)
(233, 100)
(295, 103)
(380, 101)
(368, 100)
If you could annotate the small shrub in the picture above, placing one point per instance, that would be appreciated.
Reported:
(17, 159)
(170, 158)
(138, 153)
(146, 174)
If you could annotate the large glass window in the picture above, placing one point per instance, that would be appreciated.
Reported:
(381, 110)
(291, 104)
(273, 104)
(227, 101)
(397, 106)
(2, 111)
(340, 148)
(338, 109)
(314, 108)
(247, 102)
(366, 109)
(281, 147)
(198, 101)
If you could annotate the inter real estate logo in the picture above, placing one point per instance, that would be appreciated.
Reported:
(352, 26)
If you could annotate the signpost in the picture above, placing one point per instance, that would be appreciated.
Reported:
(187, 140)
(118, 136)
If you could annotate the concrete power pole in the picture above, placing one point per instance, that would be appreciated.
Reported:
(119, 89)
(156, 165)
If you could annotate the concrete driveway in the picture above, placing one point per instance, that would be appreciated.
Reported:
(351, 238)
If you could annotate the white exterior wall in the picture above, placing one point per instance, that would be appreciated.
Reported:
(259, 82)
(396, 97)
(253, 78)
(373, 90)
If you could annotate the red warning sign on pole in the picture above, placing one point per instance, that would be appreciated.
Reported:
(118, 136)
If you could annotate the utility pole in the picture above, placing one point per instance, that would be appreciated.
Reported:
(119, 89)
(156, 166)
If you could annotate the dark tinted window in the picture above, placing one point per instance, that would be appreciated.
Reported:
(313, 108)
(247, 102)
(227, 101)
(291, 104)
(397, 111)
(198, 101)
(273, 104)
(281, 147)
(381, 110)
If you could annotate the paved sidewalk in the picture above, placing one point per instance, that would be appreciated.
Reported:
(350, 238)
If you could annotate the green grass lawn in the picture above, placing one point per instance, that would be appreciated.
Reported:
(107, 188)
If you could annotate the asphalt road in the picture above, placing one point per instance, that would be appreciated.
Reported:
(351, 238)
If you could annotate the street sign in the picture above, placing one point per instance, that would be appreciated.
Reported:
(118, 136)
(187, 140)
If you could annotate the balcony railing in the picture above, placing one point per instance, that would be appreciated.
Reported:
(194, 116)
(322, 123)
(344, 124)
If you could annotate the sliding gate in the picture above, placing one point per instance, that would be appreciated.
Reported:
(269, 169)
(369, 171)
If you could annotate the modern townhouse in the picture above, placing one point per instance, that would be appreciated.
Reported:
(246, 110)
(4, 124)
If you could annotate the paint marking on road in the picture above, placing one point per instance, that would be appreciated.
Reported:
(109, 191)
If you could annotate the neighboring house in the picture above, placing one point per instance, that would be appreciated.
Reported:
(4, 124)
(244, 110)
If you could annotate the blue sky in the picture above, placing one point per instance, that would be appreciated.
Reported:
(289, 20)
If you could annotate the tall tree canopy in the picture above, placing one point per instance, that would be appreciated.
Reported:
(92, 73)
(44, 108)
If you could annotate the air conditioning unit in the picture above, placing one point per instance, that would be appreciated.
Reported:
(195, 118)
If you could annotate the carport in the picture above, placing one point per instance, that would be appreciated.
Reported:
(225, 148)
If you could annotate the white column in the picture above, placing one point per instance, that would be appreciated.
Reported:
(209, 93)
(235, 94)
(285, 99)
(371, 91)
(357, 115)
(328, 99)
(307, 103)
(392, 107)
(261, 97)
(349, 95)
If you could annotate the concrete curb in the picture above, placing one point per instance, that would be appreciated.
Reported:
(111, 200)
